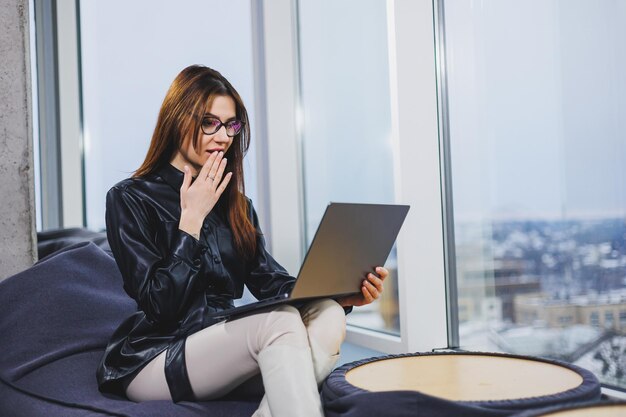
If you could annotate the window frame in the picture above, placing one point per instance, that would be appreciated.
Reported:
(59, 149)
(417, 169)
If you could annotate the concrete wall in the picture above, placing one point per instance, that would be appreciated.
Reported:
(17, 213)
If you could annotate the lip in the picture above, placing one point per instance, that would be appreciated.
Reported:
(215, 150)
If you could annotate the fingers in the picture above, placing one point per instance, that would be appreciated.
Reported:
(186, 179)
(224, 184)
(373, 291)
(377, 282)
(220, 172)
(204, 171)
(371, 288)
(367, 296)
(382, 272)
(217, 162)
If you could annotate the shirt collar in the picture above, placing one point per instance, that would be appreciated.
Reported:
(172, 176)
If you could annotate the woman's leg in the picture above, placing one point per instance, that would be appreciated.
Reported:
(226, 354)
(325, 322)
(223, 356)
(150, 384)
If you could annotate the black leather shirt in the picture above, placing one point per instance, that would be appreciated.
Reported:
(176, 280)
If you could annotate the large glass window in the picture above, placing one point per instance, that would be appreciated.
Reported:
(346, 130)
(536, 99)
(131, 52)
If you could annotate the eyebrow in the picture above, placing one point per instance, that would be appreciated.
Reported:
(207, 114)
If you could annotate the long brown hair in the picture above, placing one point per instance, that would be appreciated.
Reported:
(192, 93)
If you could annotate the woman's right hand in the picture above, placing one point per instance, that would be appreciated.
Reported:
(198, 199)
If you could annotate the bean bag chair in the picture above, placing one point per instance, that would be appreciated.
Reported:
(57, 317)
(594, 409)
(51, 241)
(341, 398)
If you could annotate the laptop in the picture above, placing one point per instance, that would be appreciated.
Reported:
(350, 241)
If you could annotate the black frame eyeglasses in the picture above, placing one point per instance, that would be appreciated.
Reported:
(210, 126)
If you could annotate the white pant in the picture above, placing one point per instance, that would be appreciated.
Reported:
(224, 355)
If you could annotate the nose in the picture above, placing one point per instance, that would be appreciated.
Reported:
(220, 135)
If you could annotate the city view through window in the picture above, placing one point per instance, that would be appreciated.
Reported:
(551, 288)
(536, 99)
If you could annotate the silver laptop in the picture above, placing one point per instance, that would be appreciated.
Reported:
(350, 241)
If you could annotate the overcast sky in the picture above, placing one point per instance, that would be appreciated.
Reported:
(537, 108)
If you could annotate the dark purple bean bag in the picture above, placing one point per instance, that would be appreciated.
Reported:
(57, 317)
(608, 407)
(51, 241)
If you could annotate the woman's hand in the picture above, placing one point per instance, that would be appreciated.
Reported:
(198, 199)
(371, 289)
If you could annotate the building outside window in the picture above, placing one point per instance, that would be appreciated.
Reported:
(594, 319)
(608, 320)
(535, 99)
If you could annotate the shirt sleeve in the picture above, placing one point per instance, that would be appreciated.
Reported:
(266, 278)
(160, 264)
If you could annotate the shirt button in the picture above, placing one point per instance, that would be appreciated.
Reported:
(217, 259)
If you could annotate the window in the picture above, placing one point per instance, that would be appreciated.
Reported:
(535, 94)
(346, 136)
(594, 319)
(125, 79)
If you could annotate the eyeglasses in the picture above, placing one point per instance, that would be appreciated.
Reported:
(210, 126)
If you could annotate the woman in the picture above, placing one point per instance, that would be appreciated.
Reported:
(186, 240)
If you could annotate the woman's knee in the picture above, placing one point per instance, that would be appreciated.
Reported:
(325, 321)
(284, 325)
(332, 310)
(325, 312)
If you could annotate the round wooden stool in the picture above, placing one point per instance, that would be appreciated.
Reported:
(475, 384)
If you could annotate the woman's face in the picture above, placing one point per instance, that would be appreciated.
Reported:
(222, 108)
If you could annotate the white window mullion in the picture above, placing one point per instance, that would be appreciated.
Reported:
(420, 244)
(284, 230)
(70, 114)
